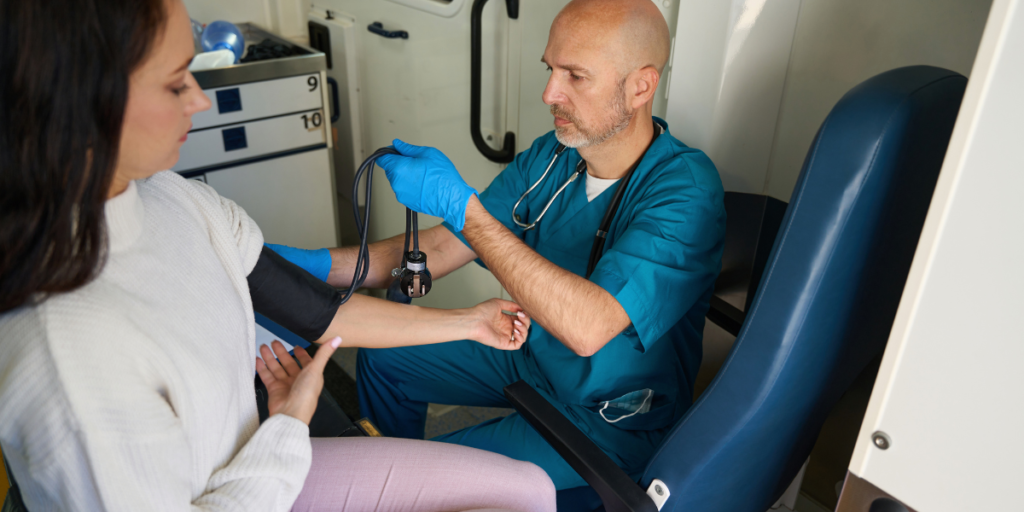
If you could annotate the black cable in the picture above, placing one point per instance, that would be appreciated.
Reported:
(362, 268)
(408, 228)
(415, 234)
(597, 249)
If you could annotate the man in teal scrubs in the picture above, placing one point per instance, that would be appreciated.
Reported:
(617, 353)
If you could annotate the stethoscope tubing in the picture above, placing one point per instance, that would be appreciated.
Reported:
(602, 232)
(525, 226)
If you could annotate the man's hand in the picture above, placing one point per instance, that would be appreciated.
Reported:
(291, 390)
(498, 330)
(426, 181)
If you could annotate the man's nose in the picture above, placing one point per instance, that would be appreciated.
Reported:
(552, 92)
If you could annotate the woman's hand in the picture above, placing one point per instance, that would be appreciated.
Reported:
(496, 329)
(291, 390)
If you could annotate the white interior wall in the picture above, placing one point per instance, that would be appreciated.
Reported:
(839, 44)
(728, 72)
(752, 80)
(283, 17)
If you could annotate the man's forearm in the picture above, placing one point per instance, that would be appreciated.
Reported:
(445, 253)
(384, 256)
(582, 315)
(374, 323)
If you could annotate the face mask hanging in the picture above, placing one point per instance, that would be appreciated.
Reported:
(638, 402)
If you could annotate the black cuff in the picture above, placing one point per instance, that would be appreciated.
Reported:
(292, 297)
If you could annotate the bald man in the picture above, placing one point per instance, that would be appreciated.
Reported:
(617, 318)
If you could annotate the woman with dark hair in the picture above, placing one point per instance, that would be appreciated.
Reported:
(126, 327)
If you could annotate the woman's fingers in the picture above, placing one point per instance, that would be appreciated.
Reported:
(265, 374)
(286, 359)
(523, 318)
(303, 356)
(305, 392)
(272, 363)
(322, 355)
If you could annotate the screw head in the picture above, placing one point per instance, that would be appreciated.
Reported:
(658, 490)
(395, 272)
(881, 440)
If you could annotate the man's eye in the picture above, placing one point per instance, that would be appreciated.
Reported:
(549, 68)
(576, 77)
(178, 90)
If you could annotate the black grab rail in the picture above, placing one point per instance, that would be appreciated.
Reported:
(508, 149)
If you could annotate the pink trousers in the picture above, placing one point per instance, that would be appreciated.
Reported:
(387, 474)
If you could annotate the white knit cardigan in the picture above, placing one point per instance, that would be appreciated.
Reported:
(135, 392)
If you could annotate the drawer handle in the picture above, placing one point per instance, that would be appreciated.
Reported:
(335, 108)
(378, 28)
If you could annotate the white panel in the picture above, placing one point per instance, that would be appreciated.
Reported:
(283, 17)
(290, 198)
(670, 10)
(264, 99)
(728, 72)
(839, 44)
(235, 11)
(445, 8)
(950, 390)
(347, 131)
(291, 19)
(206, 147)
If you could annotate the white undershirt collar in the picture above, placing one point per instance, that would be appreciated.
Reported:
(597, 185)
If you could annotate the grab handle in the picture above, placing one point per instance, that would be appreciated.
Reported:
(378, 28)
(508, 149)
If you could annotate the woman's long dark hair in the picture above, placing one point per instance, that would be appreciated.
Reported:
(64, 70)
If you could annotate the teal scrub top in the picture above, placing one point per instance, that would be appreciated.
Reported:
(662, 255)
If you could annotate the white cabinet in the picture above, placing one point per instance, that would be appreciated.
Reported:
(251, 140)
(264, 144)
(257, 100)
(288, 197)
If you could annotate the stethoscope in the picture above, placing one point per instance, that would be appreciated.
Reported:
(580, 167)
(602, 232)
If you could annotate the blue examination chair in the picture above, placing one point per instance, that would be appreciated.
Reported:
(823, 308)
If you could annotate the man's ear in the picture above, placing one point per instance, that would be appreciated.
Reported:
(646, 82)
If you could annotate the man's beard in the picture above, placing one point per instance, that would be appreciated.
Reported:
(580, 136)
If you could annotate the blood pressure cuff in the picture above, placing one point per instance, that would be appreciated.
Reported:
(292, 297)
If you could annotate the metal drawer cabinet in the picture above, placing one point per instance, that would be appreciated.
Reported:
(258, 100)
(237, 144)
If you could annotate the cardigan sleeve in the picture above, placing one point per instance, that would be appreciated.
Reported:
(82, 438)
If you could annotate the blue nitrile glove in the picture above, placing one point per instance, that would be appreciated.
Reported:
(426, 181)
(314, 261)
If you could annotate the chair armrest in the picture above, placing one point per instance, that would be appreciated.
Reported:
(618, 491)
(726, 315)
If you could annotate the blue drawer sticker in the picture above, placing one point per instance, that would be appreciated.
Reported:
(234, 138)
(229, 100)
